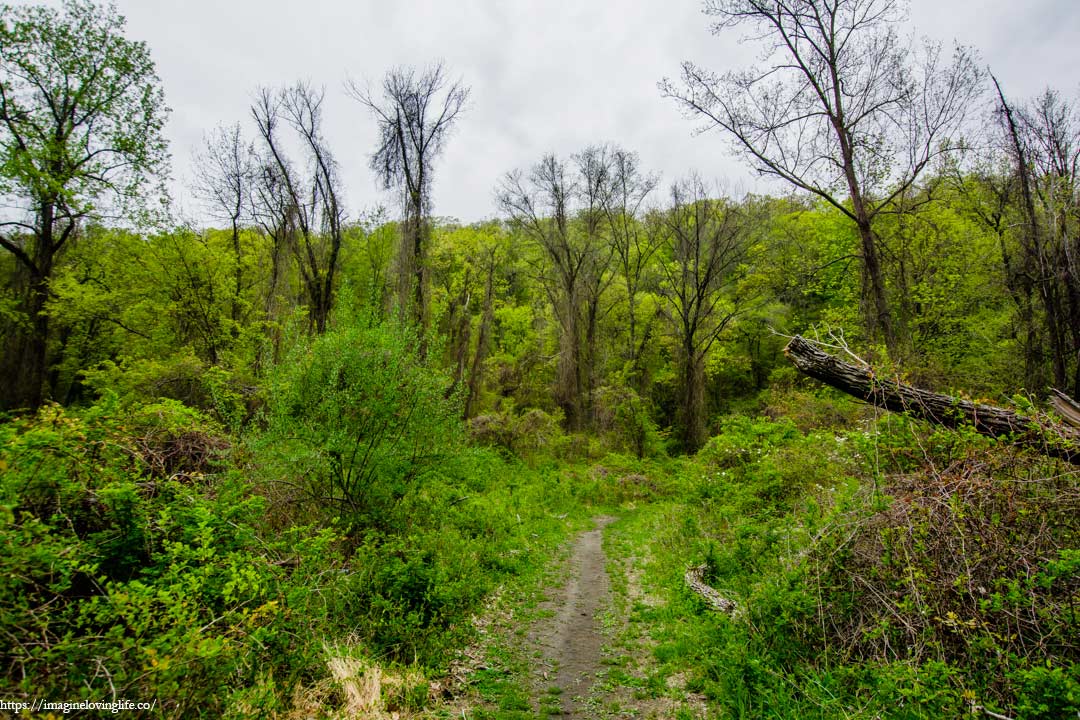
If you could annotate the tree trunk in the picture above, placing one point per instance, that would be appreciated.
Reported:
(693, 400)
(238, 289)
(1034, 246)
(879, 315)
(460, 329)
(36, 360)
(569, 366)
(861, 382)
(590, 369)
(481, 341)
(28, 381)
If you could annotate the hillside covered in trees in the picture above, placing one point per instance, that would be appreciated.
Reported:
(257, 466)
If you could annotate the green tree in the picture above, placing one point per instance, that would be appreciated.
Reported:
(152, 313)
(81, 115)
(558, 208)
(469, 266)
(625, 193)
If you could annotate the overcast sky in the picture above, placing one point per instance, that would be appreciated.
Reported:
(546, 75)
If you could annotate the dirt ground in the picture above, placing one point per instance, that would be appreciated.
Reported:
(572, 639)
(577, 653)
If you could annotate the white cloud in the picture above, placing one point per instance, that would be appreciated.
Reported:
(546, 75)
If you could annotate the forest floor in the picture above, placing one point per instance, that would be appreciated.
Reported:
(577, 645)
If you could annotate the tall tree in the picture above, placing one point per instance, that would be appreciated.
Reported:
(705, 248)
(842, 109)
(483, 338)
(1042, 141)
(81, 117)
(415, 114)
(302, 204)
(595, 168)
(986, 193)
(624, 198)
(558, 208)
(228, 167)
(469, 267)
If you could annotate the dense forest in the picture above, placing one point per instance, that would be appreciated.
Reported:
(258, 468)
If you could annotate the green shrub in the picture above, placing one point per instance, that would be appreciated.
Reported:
(356, 419)
(181, 377)
(120, 577)
(527, 434)
(1047, 691)
(625, 420)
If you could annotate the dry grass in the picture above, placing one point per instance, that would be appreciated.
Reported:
(359, 688)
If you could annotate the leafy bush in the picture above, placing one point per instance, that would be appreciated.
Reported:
(814, 409)
(742, 440)
(531, 432)
(625, 418)
(181, 377)
(120, 577)
(356, 419)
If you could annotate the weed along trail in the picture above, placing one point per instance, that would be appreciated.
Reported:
(572, 639)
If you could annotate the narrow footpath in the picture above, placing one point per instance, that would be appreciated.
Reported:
(572, 639)
(577, 647)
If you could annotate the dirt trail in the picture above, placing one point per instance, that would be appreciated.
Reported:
(585, 652)
(572, 639)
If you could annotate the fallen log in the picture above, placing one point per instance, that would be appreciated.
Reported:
(1066, 407)
(695, 580)
(1036, 432)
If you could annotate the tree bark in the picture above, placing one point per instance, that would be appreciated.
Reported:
(1040, 435)
(694, 433)
(475, 372)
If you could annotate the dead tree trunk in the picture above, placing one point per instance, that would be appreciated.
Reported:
(1039, 434)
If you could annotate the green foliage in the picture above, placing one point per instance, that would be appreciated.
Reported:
(118, 576)
(143, 298)
(948, 584)
(357, 420)
(623, 417)
(1047, 691)
(74, 73)
(524, 434)
(140, 554)
(230, 515)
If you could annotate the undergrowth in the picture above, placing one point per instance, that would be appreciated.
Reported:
(881, 568)
(331, 552)
(152, 552)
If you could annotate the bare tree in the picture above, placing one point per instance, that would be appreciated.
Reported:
(1042, 142)
(228, 167)
(842, 109)
(559, 208)
(274, 215)
(625, 195)
(302, 205)
(1053, 130)
(595, 173)
(538, 205)
(705, 243)
(415, 114)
